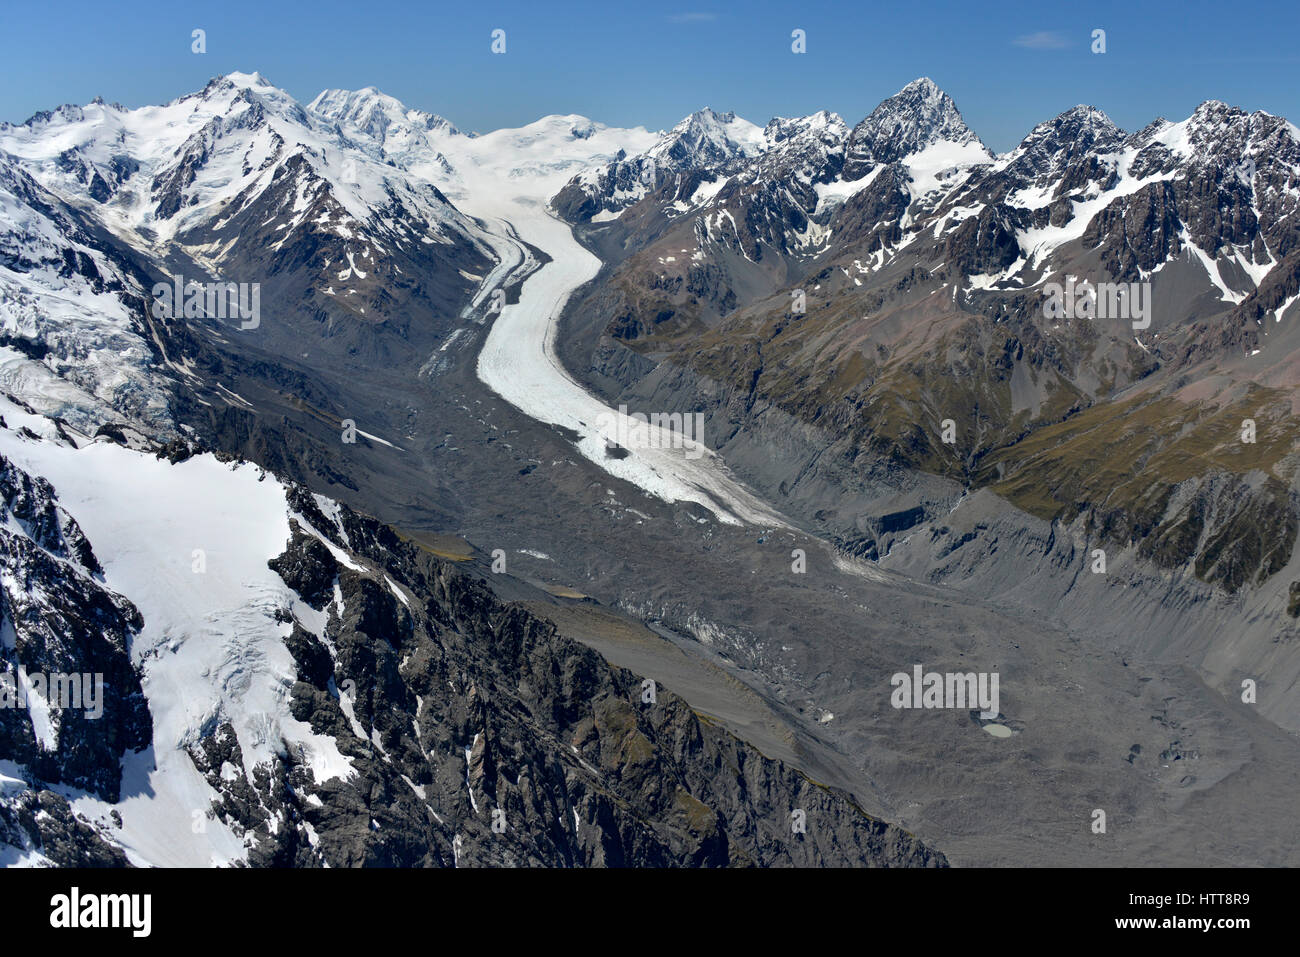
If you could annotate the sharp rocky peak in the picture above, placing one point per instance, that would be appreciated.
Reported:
(708, 138)
(1078, 128)
(917, 116)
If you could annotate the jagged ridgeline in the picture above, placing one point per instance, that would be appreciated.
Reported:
(878, 327)
(876, 282)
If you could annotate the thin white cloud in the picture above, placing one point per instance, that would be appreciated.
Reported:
(1042, 40)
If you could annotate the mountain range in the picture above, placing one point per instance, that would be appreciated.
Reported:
(369, 583)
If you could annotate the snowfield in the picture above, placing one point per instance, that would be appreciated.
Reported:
(210, 648)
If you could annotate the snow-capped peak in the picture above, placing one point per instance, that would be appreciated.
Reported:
(1050, 144)
(915, 118)
(374, 113)
(706, 139)
(225, 92)
(821, 123)
(250, 81)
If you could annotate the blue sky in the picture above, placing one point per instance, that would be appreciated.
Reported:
(1007, 64)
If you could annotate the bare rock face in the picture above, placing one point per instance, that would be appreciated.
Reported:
(63, 626)
(42, 821)
(479, 735)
